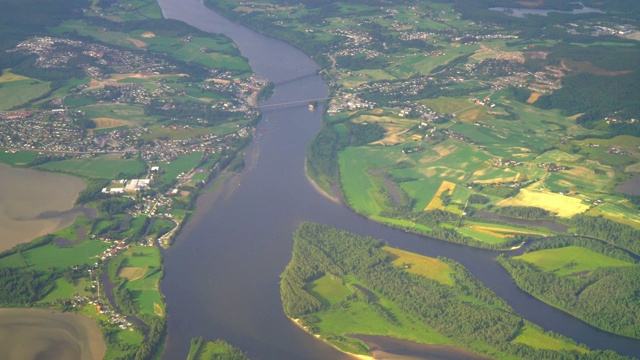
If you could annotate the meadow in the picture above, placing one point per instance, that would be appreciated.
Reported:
(16, 89)
(142, 269)
(102, 166)
(570, 260)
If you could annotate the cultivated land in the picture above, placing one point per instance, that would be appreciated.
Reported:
(472, 103)
(346, 293)
(142, 112)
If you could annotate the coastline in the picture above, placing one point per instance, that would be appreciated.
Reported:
(317, 187)
(355, 356)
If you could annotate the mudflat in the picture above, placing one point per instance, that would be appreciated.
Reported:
(32, 203)
(38, 334)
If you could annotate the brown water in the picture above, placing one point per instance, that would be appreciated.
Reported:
(384, 347)
(34, 203)
(37, 334)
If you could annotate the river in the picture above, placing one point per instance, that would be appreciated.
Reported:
(222, 273)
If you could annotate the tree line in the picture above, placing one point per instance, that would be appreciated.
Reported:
(485, 324)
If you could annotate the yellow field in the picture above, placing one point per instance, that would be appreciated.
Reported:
(428, 267)
(500, 232)
(8, 76)
(533, 98)
(105, 123)
(436, 202)
(148, 35)
(563, 206)
(157, 309)
(138, 43)
(132, 273)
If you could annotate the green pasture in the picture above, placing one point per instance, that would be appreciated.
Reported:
(536, 339)
(617, 211)
(422, 190)
(328, 290)
(406, 66)
(150, 256)
(601, 155)
(360, 318)
(480, 236)
(158, 130)
(181, 164)
(17, 92)
(136, 226)
(103, 166)
(131, 113)
(43, 258)
(17, 158)
(130, 337)
(63, 290)
(361, 189)
(570, 260)
(401, 223)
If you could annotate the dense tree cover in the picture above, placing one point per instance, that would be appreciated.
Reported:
(19, 286)
(605, 297)
(93, 191)
(22, 18)
(478, 199)
(486, 319)
(222, 351)
(523, 212)
(189, 112)
(361, 134)
(116, 205)
(322, 154)
(124, 299)
(620, 235)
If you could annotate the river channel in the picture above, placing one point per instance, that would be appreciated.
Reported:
(222, 273)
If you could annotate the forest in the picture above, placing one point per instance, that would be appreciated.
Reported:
(606, 297)
(467, 311)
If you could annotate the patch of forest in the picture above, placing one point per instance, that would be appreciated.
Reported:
(467, 311)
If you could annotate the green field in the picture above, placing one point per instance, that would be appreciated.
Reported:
(17, 158)
(181, 164)
(102, 166)
(16, 89)
(45, 257)
(144, 272)
(328, 290)
(570, 260)
(534, 338)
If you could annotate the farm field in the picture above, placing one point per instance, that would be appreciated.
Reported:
(103, 166)
(142, 270)
(428, 267)
(562, 205)
(534, 338)
(570, 260)
(16, 158)
(16, 89)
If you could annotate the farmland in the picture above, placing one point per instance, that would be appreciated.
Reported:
(338, 307)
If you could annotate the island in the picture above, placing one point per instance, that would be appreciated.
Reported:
(345, 289)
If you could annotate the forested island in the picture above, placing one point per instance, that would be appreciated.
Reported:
(339, 285)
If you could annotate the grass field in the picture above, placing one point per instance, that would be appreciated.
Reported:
(570, 260)
(17, 158)
(563, 206)
(16, 90)
(44, 257)
(328, 290)
(428, 267)
(181, 164)
(103, 166)
(144, 272)
(537, 339)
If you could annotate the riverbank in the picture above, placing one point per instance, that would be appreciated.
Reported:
(355, 356)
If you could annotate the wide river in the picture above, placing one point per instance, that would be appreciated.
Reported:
(222, 273)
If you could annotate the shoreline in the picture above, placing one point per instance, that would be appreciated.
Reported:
(355, 356)
(317, 187)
